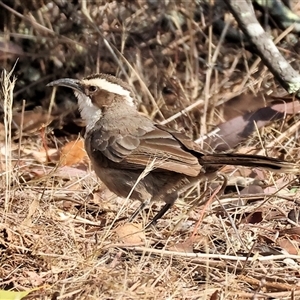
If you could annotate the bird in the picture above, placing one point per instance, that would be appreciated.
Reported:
(122, 143)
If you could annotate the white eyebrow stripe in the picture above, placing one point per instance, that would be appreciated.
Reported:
(110, 87)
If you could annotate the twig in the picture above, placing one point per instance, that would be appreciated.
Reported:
(268, 52)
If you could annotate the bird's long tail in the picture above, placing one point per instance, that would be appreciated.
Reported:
(249, 160)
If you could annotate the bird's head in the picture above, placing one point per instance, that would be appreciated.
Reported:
(96, 93)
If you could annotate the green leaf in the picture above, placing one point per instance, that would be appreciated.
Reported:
(11, 295)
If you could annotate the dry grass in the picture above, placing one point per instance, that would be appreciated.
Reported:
(59, 227)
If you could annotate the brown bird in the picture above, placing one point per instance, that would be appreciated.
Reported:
(121, 143)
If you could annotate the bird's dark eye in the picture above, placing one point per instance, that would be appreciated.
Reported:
(92, 88)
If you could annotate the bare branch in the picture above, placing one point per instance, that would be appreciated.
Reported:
(266, 49)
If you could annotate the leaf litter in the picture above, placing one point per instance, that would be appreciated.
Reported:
(58, 225)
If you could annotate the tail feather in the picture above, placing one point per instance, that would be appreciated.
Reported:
(249, 160)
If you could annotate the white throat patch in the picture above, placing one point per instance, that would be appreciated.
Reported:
(88, 111)
(110, 87)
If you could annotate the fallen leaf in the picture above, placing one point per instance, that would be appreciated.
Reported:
(33, 120)
(252, 190)
(294, 215)
(35, 278)
(11, 295)
(252, 218)
(215, 295)
(131, 234)
(42, 155)
(9, 49)
(185, 247)
(230, 133)
(295, 231)
(68, 172)
(288, 245)
(73, 153)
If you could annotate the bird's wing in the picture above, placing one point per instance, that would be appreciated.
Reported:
(143, 145)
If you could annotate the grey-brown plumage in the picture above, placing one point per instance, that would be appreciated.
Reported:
(121, 143)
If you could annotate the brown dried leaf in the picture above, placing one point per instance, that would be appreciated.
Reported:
(185, 246)
(215, 295)
(9, 49)
(132, 234)
(252, 190)
(237, 129)
(42, 155)
(240, 105)
(253, 218)
(288, 245)
(2, 132)
(33, 120)
(68, 172)
(73, 153)
(295, 231)
(33, 207)
(34, 278)
(294, 215)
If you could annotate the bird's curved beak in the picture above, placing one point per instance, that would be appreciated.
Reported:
(67, 82)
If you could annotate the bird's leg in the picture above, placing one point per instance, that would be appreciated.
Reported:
(160, 214)
(138, 210)
(170, 199)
